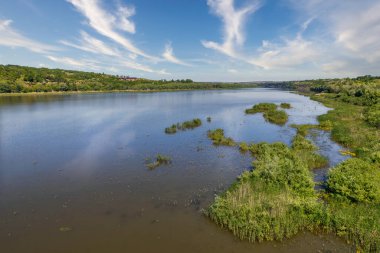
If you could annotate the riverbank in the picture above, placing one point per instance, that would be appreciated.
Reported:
(272, 203)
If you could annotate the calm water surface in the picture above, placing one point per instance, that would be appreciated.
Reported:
(76, 162)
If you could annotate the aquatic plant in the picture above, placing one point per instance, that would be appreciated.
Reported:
(191, 124)
(276, 117)
(262, 107)
(303, 129)
(171, 130)
(218, 138)
(243, 146)
(159, 160)
(270, 113)
(285, 105)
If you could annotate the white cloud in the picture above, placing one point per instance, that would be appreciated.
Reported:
(288, 54)
(72, 62)
(169, 56)
(92, 45)
(353, 25)
(233, 24)
(108, 24)
(11, 38)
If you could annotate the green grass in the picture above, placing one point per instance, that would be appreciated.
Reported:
(243, 147)
(276, 117)
(274, 201)
(270, 113)
(306, 150)
(348, 126)
(277, 199)
(262, 107)
(218, 138)
(158, 161)
(191, 124)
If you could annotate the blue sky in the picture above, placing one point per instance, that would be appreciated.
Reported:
(205, 40)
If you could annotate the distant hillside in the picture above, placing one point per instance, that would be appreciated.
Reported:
(20, 79)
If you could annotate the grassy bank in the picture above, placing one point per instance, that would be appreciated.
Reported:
(274, 201)
(277, 199)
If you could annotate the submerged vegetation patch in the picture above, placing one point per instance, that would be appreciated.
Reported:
(158, 161)
(191, 124)
(270, 113)
(218, 138)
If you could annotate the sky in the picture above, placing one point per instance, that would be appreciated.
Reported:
(205, 40)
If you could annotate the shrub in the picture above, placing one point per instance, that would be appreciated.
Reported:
(372, 115)
(356, 180)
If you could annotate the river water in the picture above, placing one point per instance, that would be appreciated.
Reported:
(73, 175)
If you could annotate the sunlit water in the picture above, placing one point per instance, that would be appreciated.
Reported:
(77, 163)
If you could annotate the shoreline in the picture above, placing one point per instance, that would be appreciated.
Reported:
(58, 93)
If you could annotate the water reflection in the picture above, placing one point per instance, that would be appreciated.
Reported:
(78, 161)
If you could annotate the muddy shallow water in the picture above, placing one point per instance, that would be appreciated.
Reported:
(73, 179)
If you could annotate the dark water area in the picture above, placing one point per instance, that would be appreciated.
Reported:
(73, 175)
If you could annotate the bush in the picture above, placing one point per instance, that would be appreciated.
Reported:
(372, 115)
(356, 180)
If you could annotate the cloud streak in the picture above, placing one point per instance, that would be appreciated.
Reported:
(92, 45)
(233, 24)
(12, 38)
(108, 24)
(170, 57)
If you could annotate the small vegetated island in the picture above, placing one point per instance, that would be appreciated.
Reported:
(158, 161)
(277, 199)
(270, 112)
(191, 124)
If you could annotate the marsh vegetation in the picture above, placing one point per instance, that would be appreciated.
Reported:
(158, 161)
(186, 125)
(270, 113)
(277, 198)
(218, 138)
